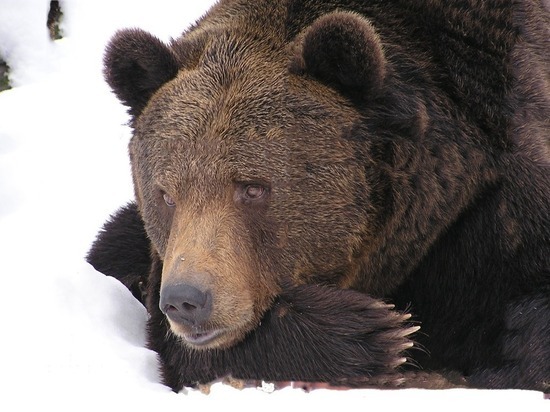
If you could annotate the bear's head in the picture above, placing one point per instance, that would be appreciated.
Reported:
(253, 166)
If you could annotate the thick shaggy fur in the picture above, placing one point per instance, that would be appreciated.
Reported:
(395, 148)
(122, 250)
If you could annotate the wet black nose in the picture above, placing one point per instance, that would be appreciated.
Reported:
(185, 304)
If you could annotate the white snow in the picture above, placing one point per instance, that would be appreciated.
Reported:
(73, 339)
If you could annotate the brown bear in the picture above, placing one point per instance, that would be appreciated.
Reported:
(299, 163)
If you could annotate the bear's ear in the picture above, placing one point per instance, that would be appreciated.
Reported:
(136, 64)
(343, 50)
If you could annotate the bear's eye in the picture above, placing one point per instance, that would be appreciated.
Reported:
(251, 193)
(168, 200)
(254, 191)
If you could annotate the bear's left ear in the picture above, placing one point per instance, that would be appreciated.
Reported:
(136, 64)
(343, 50)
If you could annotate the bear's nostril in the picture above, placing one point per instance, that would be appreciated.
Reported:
(169, 308)
(185, 304)
(188, 306)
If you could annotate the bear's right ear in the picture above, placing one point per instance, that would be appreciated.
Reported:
(137, 64)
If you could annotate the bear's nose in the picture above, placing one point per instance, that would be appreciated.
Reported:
(184, 303)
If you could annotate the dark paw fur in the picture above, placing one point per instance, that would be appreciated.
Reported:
(311, 334)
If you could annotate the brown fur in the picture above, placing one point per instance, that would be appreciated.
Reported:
(401, 151)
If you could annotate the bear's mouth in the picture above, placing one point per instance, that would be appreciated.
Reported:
(202, 338)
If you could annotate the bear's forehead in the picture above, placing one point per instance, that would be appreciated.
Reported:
(206, 122)
(193, 111)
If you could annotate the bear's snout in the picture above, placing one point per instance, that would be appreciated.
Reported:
(212, 290)
(186, 304)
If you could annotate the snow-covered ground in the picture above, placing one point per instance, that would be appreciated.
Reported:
(71, 338)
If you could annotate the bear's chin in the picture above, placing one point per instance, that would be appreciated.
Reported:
(208, 338)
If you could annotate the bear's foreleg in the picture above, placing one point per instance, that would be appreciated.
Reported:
(311, 334)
